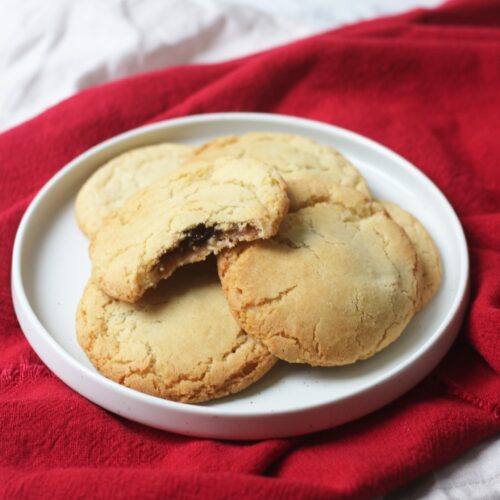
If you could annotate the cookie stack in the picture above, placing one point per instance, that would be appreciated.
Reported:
(309, 268)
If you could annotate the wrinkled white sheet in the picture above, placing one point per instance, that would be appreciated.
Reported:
(473, 476)
(50, 50)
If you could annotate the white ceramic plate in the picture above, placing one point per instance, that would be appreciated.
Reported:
(51, 267)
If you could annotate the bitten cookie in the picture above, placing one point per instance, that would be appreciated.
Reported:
(427, 252)
(179, 342)
(112, 184)
(335, 285)
(185, 216)
(295, 157)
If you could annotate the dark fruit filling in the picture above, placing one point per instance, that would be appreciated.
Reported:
(198, 235)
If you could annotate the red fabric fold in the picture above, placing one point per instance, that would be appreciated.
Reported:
(425, 84)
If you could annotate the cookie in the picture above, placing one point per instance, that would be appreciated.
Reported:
(182, 218)
(295, 157)
(178, 342)
(424, 246)
(112, 184)
(335, 285)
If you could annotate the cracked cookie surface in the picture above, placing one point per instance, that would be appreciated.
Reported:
(335, 285)
(296, 158)
(111, 185)
(178, 342)
(425, 248)
(182, 218)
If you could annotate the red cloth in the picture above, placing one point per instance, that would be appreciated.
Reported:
(427, 85)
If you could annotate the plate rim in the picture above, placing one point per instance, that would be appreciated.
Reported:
(23, 306)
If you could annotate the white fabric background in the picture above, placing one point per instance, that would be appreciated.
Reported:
(50, 50)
